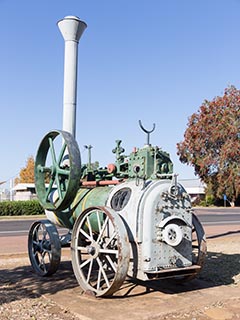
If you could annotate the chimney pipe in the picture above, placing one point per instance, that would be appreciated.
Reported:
(71, 28)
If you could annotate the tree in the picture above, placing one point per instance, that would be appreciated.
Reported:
(212, 144)
(26, 174)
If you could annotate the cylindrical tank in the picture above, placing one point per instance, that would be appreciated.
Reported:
(85, 198)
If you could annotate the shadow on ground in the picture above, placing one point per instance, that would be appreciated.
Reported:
(219, 269)
(22, 282)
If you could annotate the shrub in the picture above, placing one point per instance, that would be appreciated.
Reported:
(20, 208)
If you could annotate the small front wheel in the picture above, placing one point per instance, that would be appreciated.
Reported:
(44, 247)
(100, 251)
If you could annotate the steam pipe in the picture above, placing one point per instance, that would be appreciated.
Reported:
(71, 28)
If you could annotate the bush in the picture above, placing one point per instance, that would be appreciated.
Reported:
(208, 201)
(20, 208)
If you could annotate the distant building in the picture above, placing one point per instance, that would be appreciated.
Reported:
(195, 188)
(24, 191)
(4, 195)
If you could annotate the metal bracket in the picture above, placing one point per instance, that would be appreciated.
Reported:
(147, 131)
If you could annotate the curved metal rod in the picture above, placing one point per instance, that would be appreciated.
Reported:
(147, 131)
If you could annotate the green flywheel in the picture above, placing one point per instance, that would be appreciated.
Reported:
(57, 170)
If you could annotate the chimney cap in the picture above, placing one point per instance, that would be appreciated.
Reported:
(71, 28)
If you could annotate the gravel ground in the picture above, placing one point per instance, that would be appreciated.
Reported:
(20, 300)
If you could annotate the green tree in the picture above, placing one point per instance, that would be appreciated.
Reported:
(26, 174)
(212, 144)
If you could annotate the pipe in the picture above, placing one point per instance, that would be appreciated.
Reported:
(71, 28)
(99, 183)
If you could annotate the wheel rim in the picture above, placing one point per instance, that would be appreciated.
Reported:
(199, 249)
(100, 251)
(199, 246)
(57, 163)
(44, 247)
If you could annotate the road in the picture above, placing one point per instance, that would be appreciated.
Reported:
(209, 218)
(9, 228)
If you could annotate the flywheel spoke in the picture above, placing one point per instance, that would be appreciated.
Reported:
(61, 154)
(52, 150)
(49, 189)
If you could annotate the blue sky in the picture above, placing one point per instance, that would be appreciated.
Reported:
(152, 60)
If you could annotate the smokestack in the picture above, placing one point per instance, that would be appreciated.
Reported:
(71, 28)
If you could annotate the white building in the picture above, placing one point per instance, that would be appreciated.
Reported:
(194, 187)
(24, 191)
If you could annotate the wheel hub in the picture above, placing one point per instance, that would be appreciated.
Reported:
(93, 250)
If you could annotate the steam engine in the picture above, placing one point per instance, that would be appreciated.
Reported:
(130, 219)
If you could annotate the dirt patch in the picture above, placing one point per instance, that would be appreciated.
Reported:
(215, 294)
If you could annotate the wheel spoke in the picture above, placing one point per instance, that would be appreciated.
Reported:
(99, 222)
(42, 263)
(89, 271)
(82, 249)
(85, 263)
(35, 235)
(109, 251)
(111, 263)
(110, 239)
(61, 154)
(49, 190)
(89, 227)
(85, 234)
(52, 150)
(99, 279)
(44, 234)
(103, 272)
(59, 187)
(102, 228)
(55, 168)
(36, 243)
(63, 172)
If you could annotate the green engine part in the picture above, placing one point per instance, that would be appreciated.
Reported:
(145, 163)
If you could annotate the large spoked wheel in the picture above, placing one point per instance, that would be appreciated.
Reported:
(44, 247)
(100, 251)
(57, 170)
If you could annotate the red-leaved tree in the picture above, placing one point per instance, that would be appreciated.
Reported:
(212, 144)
